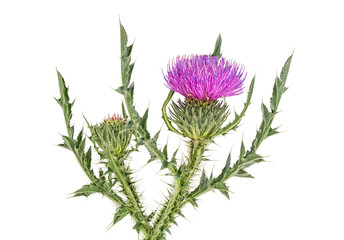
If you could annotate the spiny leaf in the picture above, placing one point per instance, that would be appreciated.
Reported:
(138, 227)
(220, 186)
(174, 222)
(193, 202)
(266, 113)
(204, 179)
(279, 86)
(151, 216)
(144, 119)
(127, 53)
(156, 136)
(225, 193)
(127, 89)
(131, 91)
(242, 173)
(154, 151)
(225, 169)
(120, 213)
(242, 150)
(69, 142)
(181, 214)
(174, 159)
(66, 106)
(63, 145)
(88, 158)
(78, 148)
(272, 131)
(120, 90)
(80, 136)
(87, 190)
(130, 70)
(124, 39)
(124, 112)
(165, 151)
(232, 125)
(251, 158)
(217, 49)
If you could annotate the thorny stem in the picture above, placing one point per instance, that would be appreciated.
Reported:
(131, 195)
(181, 189)
(111, 195)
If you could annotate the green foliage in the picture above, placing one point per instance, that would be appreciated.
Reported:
(137, 123)
(265, 130)
(99, 184)
(279, 86)
(234, 124)
(65, 104)
(86, 190)
(175, 201)
(247, 158)
(77, 146)
(217, 49)
(200, 122)
(120, 213)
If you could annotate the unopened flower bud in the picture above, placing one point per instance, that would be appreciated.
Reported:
(199, 119)
(112, 135)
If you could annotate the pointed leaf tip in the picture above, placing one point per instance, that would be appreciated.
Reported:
(217, 49)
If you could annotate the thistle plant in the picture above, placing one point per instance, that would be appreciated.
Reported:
(199, 115)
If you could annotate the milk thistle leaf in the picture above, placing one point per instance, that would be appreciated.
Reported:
(272, 131)
(137, 227)
(120, 213)
(124, 112)
(217, 49)
(65, 104)
(124, 39)
(144, 119)
(86, 190)
(225, 170)
(156, 136)
(80, 137)
(242, 173)
(242, 150)
(279, 86)
(233, 125)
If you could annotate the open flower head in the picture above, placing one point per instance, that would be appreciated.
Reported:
(205, 77)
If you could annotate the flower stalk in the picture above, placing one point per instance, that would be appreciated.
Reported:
(133, 200)
(174, 204)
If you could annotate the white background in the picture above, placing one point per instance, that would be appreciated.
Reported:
(297, 195)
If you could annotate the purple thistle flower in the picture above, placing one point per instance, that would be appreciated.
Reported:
(204, 77)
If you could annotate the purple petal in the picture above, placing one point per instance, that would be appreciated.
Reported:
(204, 77)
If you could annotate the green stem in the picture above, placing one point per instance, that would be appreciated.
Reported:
(164, 114)
(181, 190)
(142, 133)
(195, 194)
(132, 196)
